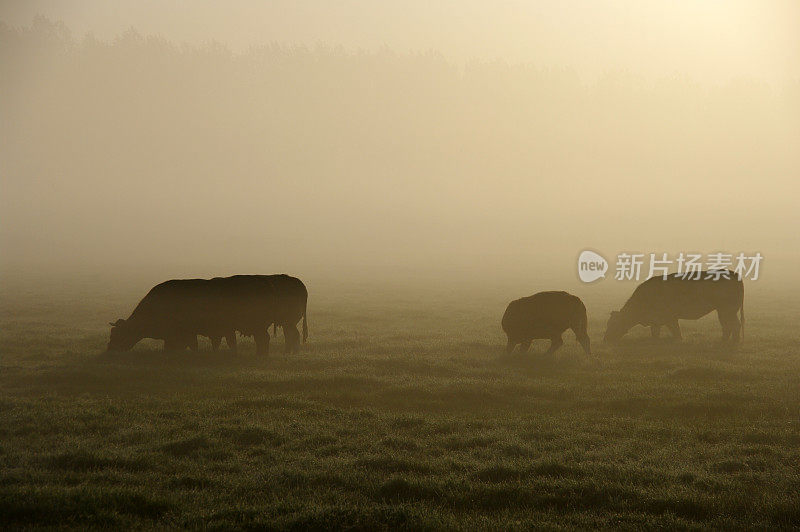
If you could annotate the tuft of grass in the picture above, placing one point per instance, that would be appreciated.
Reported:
(185, 446)
(91, 506)
(186, 482)
(407, 422)
(503, 473)
(250, 436)
(499, 473)
(399, 444)
(729, 466)
(399, 488)
(460, 443)
(389, 464)
(554, 469)
(84, 461)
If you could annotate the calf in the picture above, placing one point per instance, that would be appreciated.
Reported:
(545, 315)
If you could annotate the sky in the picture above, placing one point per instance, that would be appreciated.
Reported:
(427, 139)
(709, 40)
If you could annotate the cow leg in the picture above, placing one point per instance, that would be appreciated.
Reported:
(524, 346)
(655, 331)
(262, 342)
(582, 335)
(171, 344)
(730, 325)
(510, 345)
(215, 341)
(191, 343)
(675, 329)
(555, 343)
(736, 328)
(726, 331)
(230, 338)
(583, 339)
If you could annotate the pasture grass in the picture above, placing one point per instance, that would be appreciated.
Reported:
(399, 413)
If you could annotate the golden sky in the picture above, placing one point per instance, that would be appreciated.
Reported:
(709, 40)
(494, 137)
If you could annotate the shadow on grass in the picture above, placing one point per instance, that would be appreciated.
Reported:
(82, 461)
(57, 506)
(553, 492)
(501, 473)
(186, 446)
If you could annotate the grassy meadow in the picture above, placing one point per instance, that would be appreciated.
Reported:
(401, 412)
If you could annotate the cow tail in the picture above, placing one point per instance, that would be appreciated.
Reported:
(305, 321)
(741, 311)
(584, 321)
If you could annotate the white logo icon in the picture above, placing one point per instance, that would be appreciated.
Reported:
(591, 266)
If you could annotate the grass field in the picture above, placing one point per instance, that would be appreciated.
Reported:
(400, 412)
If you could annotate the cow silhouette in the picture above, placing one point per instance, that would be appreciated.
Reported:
(545, 315)
(662, 301)
(176, 311)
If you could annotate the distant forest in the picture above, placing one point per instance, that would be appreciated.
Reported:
(427, 140)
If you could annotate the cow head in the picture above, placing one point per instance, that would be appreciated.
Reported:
(123, 338)
(616, 327)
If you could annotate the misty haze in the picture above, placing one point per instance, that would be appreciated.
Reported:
(300, 265)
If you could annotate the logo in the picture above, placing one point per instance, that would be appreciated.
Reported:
(591, 266)
(634, 266)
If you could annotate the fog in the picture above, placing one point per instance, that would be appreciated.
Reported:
(447, 141)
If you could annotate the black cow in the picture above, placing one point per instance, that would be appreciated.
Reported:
(664, 300)
(284, 307)
(169, 312)
(291, 305)
(176, 311)
(545, 315)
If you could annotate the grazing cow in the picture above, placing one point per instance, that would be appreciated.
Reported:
(256, 301)
(168, 312)
(663, 301)
(291, 304)
(545, 315)
(177, 311)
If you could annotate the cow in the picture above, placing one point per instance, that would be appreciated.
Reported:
(256, 301)
(545, 315)
(663, 300)
(291, 304)
(177, 311)
(168, 312)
